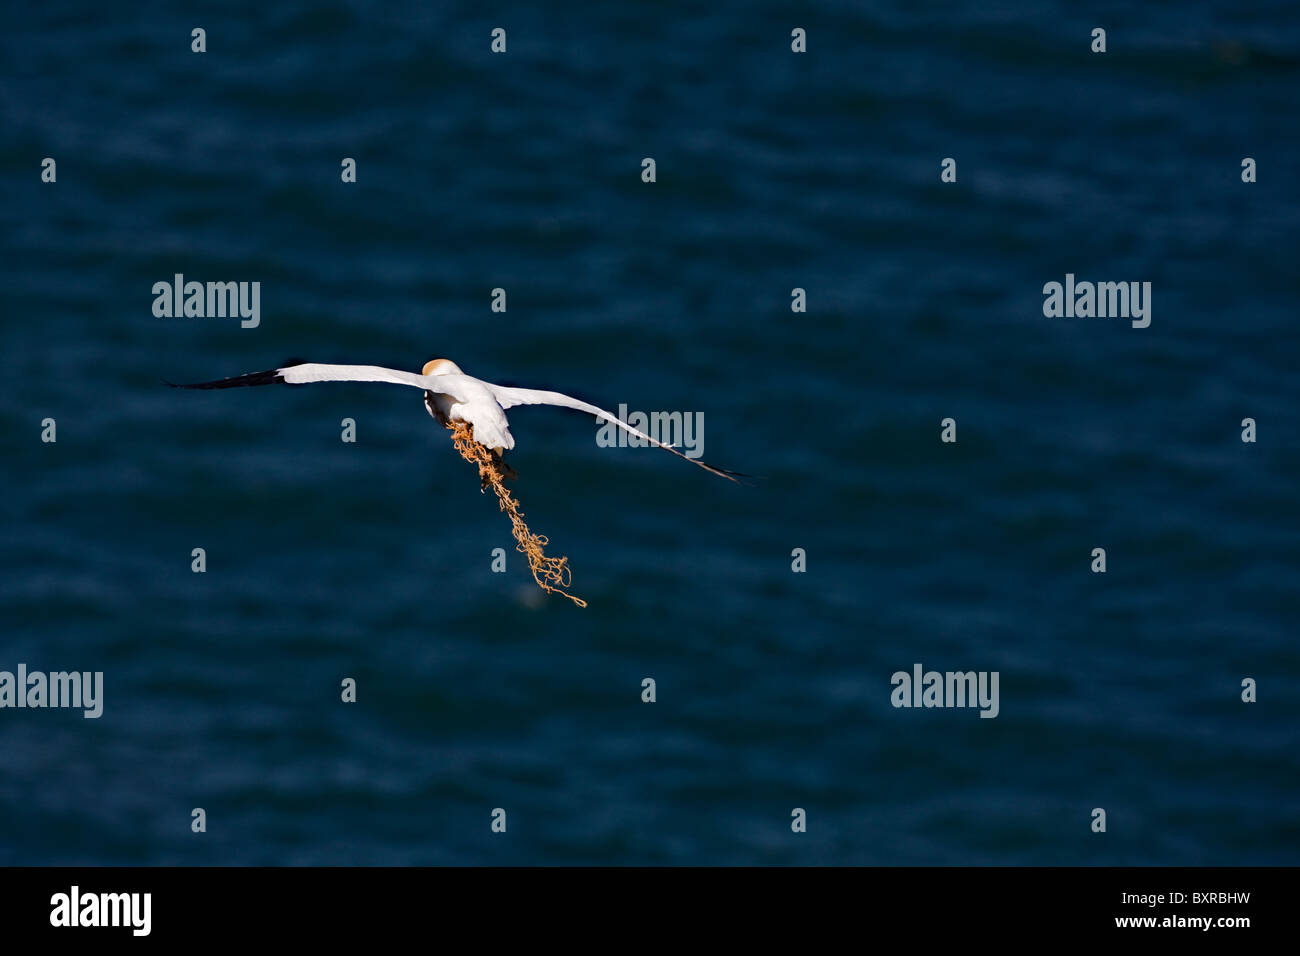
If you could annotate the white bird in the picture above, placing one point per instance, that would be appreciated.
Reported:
(450, 395)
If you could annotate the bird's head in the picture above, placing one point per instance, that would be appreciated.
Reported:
(441, 367)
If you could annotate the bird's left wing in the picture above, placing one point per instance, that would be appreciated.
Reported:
(307, 372)
(509, 397)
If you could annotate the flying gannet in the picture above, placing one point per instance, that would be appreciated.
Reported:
(450, 396)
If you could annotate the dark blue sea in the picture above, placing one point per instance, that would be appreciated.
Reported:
(372, 560)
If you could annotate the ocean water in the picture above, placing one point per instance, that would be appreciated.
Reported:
(372, 560)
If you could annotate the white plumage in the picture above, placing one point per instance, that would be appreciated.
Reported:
(451, 393)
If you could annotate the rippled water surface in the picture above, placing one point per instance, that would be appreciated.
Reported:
(775, 170)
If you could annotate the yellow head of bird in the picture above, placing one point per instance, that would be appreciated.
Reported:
(441, 366)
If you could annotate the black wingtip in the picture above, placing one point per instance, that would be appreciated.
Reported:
(739, 477)
(269, 377)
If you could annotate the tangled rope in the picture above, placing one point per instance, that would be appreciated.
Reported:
(551, 574)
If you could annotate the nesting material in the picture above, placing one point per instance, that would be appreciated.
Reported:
(551, 574)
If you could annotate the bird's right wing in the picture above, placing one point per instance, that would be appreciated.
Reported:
(307, 372)
(508, 397)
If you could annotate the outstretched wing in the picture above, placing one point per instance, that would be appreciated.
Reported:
(307, 372)
(509, 397)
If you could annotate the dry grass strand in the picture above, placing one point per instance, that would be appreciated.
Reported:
(551, 574)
